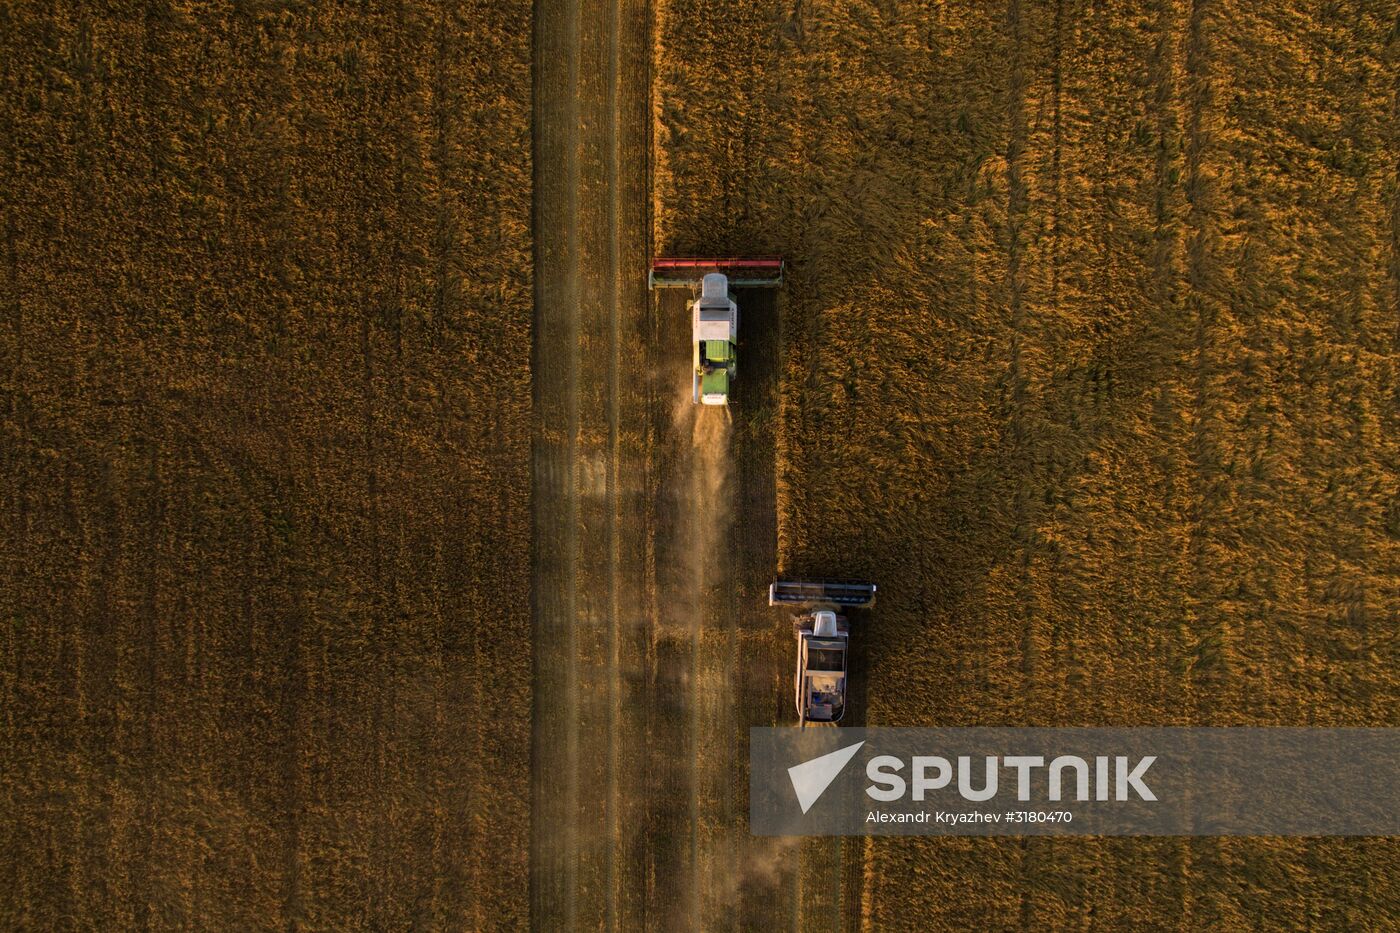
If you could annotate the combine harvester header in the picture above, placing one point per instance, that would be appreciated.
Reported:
(847, 594)
(688, 271)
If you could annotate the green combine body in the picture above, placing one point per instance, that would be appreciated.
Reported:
(715, 330)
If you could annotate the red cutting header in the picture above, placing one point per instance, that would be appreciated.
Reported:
(763, 262)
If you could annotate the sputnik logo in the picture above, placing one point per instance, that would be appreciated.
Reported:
(811, 778)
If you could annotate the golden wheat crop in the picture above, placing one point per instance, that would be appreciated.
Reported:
(264, 626)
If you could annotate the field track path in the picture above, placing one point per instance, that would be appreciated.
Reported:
(654, 534)
(592, 776)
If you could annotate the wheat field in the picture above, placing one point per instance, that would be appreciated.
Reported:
(1089, 355)
(265, 399)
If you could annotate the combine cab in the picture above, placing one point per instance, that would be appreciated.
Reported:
(714, 315)
(823, 638)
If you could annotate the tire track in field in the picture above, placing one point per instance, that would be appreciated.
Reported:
(643, 688)
(591, 462)
(1202, 306)
(1199, 856)
(553, 875)
(1165, 72)
(612, 917)
(1016, 214)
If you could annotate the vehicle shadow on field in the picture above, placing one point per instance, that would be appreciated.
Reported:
(750, 888)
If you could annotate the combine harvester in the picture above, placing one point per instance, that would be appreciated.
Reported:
(714, 315)
(823, 637)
